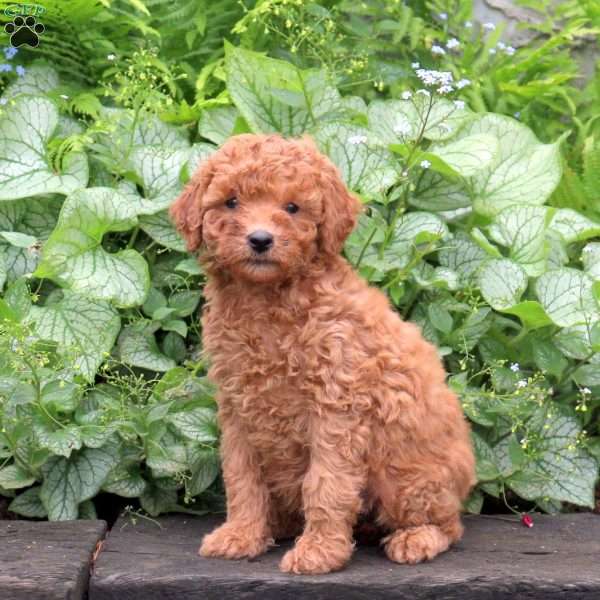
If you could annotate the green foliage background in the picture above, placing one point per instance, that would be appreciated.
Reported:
(482, 225)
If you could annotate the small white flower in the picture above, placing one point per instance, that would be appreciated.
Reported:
(517, 115)
(443, 16)
(509, 50)
(445, 89)
(406, 95)
(64, 96)
(468, 24)
(492, 50)
(489, 26)
(425, 164)
(424, 93)
(110, 57)
(437, 50)
(459, 104)
(501, 45)
(402, 128)
(3, 101)
(355, 140)
(586, 390)
(462, 83)
(514, 367)
(452, 43)
(415, 65)
(522, 383)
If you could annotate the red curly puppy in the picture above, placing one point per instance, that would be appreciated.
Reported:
(330, 405)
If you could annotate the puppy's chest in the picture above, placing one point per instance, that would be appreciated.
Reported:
(262, 367)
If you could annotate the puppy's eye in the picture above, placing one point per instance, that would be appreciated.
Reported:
(292, 208)
(231, 202)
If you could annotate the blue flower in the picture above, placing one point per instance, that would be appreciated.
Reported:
(20, 70)
(5, 68)
(9, 52)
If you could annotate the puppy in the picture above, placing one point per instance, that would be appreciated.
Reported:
(331, 407)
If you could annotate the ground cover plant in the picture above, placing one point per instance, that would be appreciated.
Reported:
(478, 164)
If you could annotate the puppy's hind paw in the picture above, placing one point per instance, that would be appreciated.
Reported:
(415, 544)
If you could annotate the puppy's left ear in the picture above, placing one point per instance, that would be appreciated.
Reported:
(340, 211)
(187, 212)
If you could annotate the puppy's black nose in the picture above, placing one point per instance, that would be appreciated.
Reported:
(260, 240)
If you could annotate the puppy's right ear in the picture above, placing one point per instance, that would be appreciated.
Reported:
(187, 212)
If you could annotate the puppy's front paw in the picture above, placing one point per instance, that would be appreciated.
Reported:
(310, 558)
(233, 541)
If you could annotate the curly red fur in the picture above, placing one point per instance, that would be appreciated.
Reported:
(331, 406)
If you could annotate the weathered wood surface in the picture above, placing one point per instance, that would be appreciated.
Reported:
(47, 561)
(559, 558)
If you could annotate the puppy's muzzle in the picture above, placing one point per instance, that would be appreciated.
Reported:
(260, 240)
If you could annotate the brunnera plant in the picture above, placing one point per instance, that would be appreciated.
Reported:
(101, 384)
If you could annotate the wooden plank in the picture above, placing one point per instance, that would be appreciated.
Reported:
(47, 561)
(499, 559)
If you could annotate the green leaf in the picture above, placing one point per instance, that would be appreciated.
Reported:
(74, 257)
(474, 503)
(62, 440)
(159, 170)
(471, 330)
(585, 375)
(522, 230)
(560, 468)
(436, 193)
(25, 129)
(486, 467)
(566, 295)
(15, 477)
(83, 329)
(523, 171)
(20, 240)
(463, 256)
(36, 81)
(198, 153)
(549, 358)
(276, 96)
(94, 465)
(59, 395)
(184, 302)
(160, 228)
(156, 500)
(70, 481)
(197, 424)
(35, 217)
(590, 256)
(573, 226)
(502, 283)
(61, 489)
(28, 504)
(87, 510)
(18, 299)
(125, 482)
(440, 317)
(396, 121)
(414, 231)
(531, 313)
(138, 347)
(365, 167)
(217, 123)
(468, 154)
(176, 325)
(204, 470)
